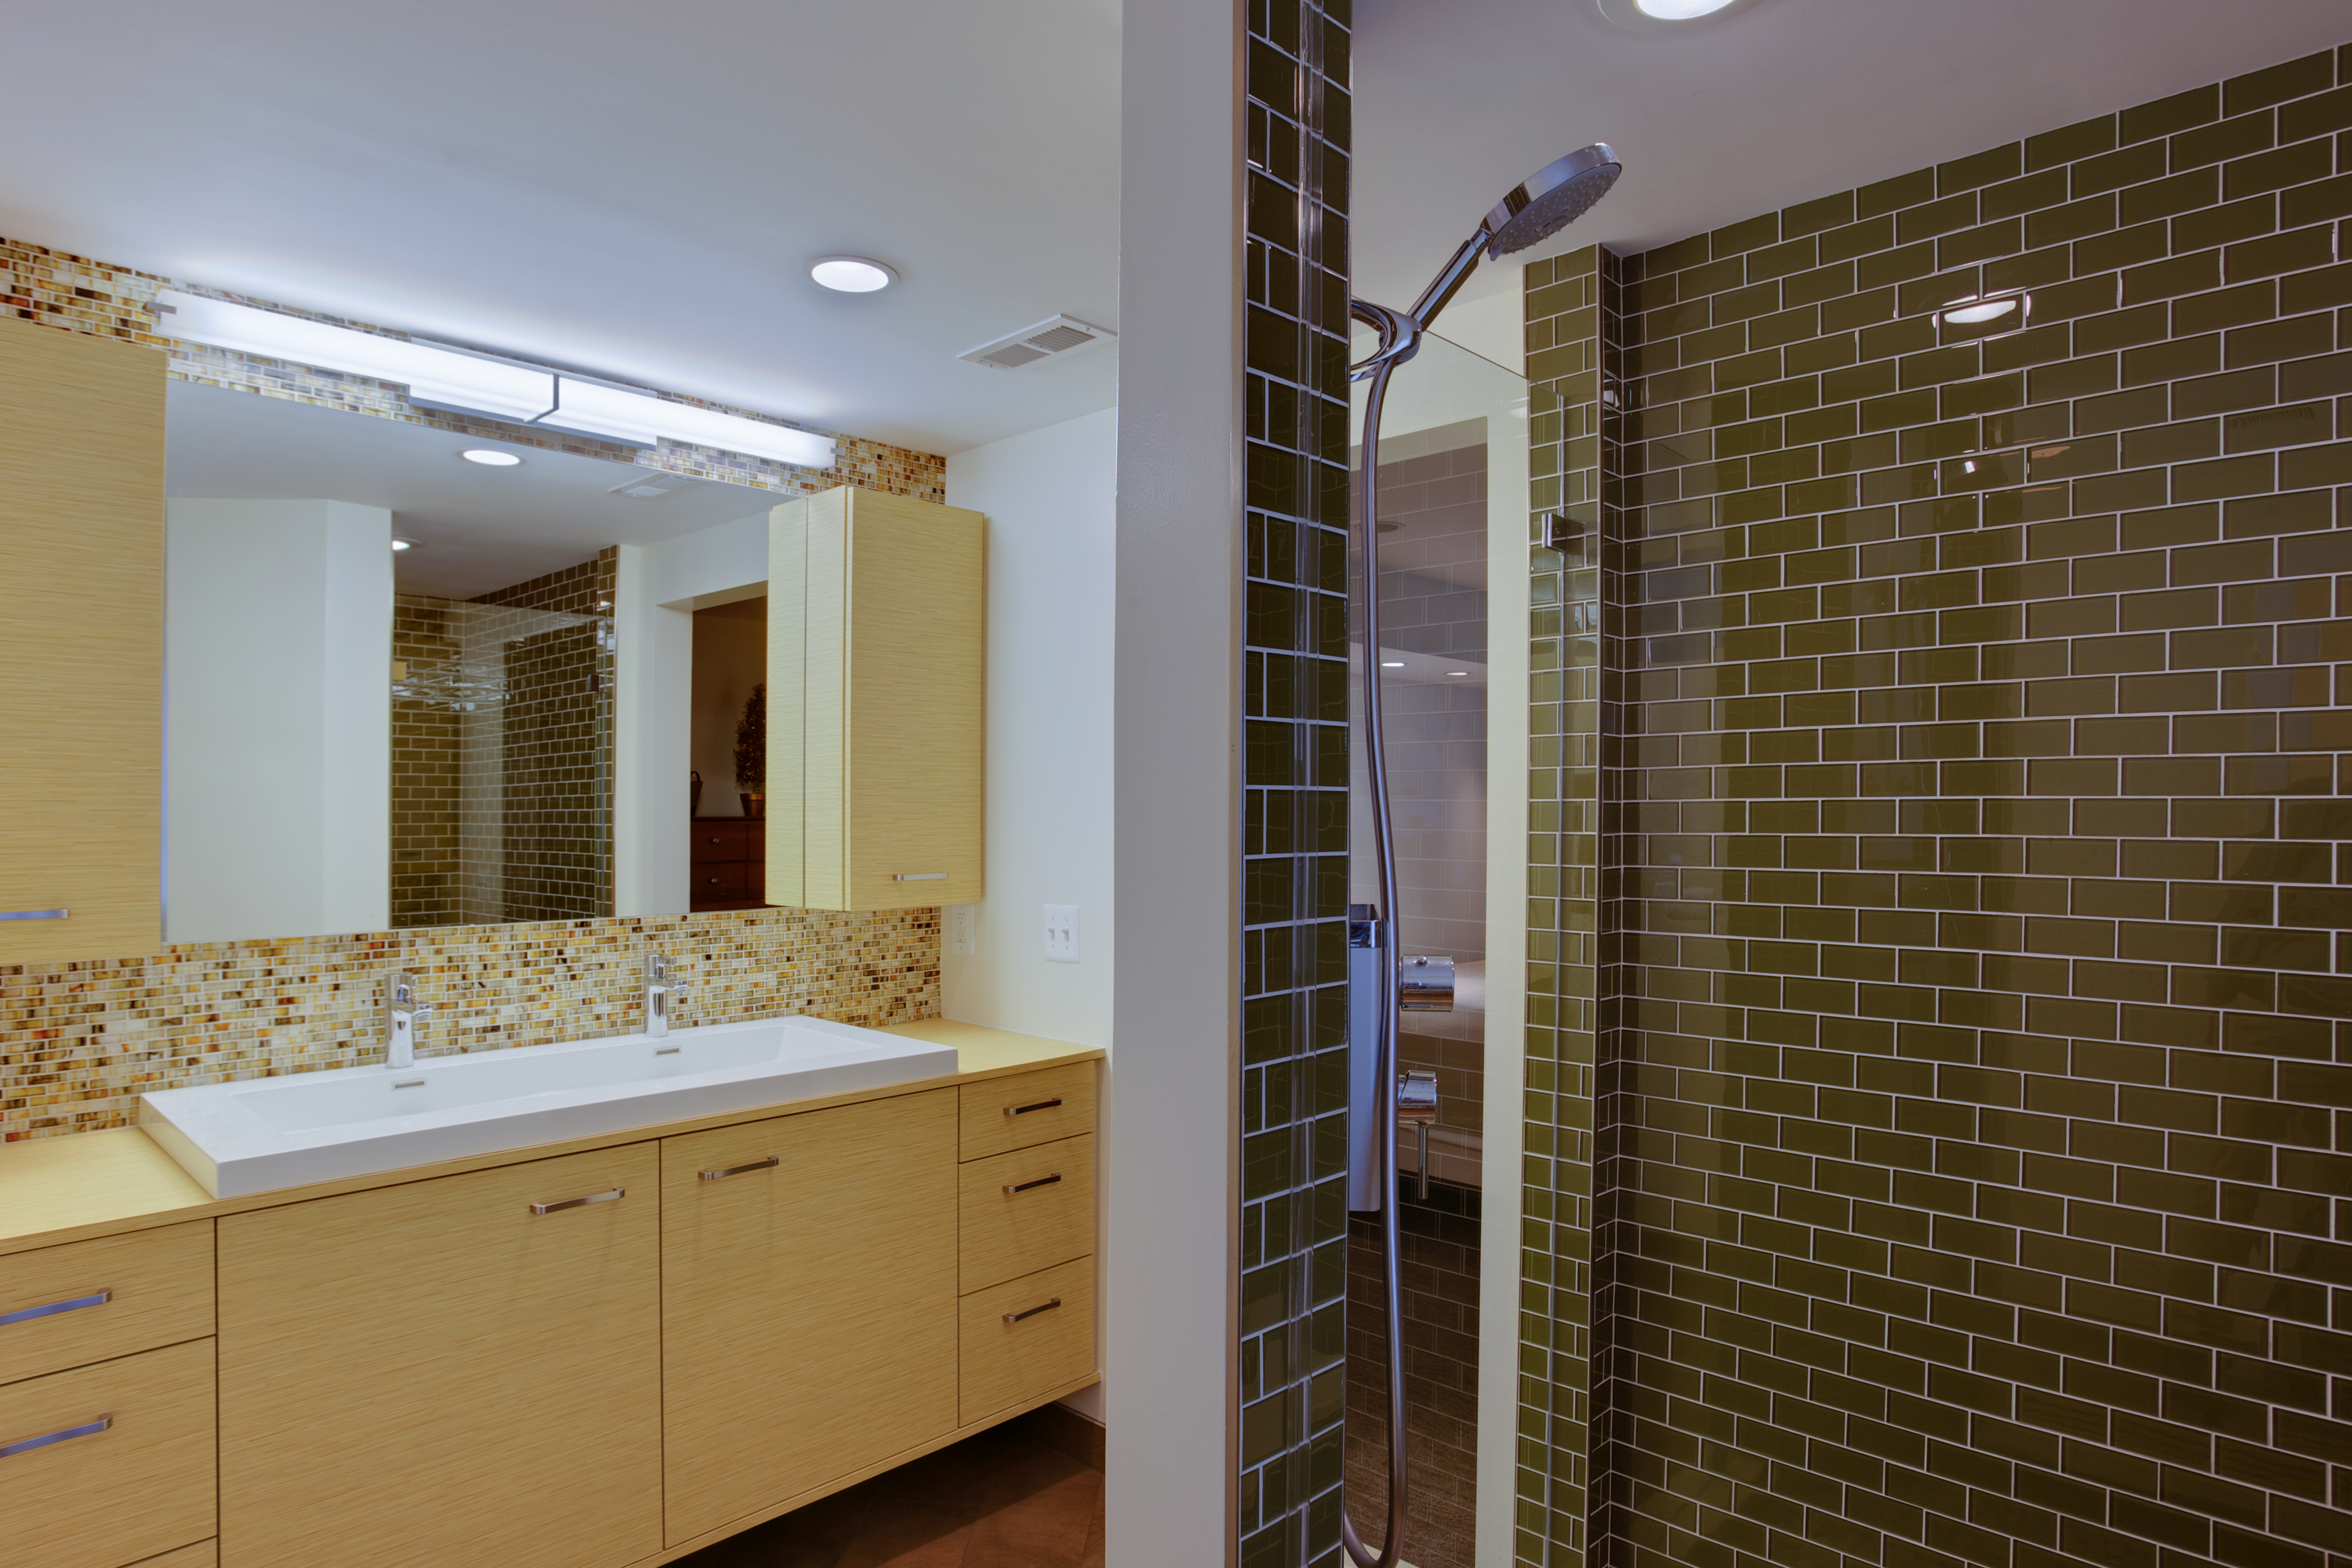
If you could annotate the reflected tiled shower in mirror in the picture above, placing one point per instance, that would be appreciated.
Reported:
(501, 762)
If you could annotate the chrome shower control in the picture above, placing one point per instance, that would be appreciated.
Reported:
(1425, 985)
(1416, 1107)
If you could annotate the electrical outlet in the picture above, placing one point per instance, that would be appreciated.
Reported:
(1061, 933)
(963, 928)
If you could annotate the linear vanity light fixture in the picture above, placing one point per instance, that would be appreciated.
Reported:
(454, 378)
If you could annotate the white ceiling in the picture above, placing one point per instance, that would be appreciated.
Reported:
(630, 189)
(1457, 100)
(637, 191)
(476, 529)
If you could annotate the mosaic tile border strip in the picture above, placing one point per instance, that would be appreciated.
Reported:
(1295, 777)
(80, 1042)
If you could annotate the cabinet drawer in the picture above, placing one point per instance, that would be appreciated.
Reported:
(140, 1485)
(722, 840)
(93, 1301)
(1016, 1344)
(1025, 1211)
(714, 883)
(1027, 1109)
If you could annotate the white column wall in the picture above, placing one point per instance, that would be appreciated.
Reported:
(1051, 497)
(277, 648)
(1172, 1144)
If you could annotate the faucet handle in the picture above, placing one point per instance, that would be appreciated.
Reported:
(423, 1010)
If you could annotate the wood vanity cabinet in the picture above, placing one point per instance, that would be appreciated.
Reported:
(808, 1301)
(81, 644)
(106, 1400)
(436, 1373)
(594, 1359)
(875, 692)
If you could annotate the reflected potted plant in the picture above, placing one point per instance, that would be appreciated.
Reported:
(752, 752)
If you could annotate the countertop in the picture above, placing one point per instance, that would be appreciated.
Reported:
(85, 1185)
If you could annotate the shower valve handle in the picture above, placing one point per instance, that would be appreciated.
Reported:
(1416, 1106)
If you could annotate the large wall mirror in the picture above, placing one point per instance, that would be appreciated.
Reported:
(395, 677)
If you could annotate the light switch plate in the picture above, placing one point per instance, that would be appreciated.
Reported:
(963, 928)
(1061, 933)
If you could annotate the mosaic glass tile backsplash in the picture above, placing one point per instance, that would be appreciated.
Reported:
(1974, 1149)
(79, 1043)
(1294, 867)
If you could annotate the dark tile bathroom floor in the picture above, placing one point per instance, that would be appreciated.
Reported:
(1000, 1498)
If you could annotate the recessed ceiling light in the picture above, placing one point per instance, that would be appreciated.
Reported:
(852, 274)
(1670, 15)
(1457, 672)
(1985, 310)
(1391, 664)
(490, 458)
(400, 544)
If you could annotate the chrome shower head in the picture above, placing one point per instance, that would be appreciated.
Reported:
(1551, 198)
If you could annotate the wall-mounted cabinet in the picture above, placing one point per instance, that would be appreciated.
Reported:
(876, 702)
(81, 644)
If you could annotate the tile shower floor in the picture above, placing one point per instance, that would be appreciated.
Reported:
(1000, 1498)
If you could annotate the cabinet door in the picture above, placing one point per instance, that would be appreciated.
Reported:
(808, 1306)
(434, 1373)
(877, 697)
(81, 644)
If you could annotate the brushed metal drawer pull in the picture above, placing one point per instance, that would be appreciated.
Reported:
(921, 877)
(87, 1429)
(1033, 1105)
(726, 1170)
(614, 1197)
(33, 914)
(27, 1314)
(1017, 1317)
(1039, 1182)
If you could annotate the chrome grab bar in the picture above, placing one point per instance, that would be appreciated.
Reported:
(27, 1314)
(614, 1197)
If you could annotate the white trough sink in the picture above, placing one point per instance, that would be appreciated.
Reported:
(256, 1136)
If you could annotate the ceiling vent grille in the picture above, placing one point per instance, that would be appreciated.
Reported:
(1052, 338)
(651, 487)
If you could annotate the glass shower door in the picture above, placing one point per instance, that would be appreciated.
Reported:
(1454, 535)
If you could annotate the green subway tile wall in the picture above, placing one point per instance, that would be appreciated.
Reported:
(1973, 1120)
(1294, 870)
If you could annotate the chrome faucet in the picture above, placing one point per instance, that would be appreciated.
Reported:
(401, 1013)
(658, 992)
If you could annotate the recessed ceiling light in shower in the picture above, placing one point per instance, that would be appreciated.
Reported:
(1668, 15)
(400, 544)
(852, 274)
(490, 458)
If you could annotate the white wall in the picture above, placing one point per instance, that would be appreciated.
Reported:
(1172, 1144)
(1050, 496)
(278, 650)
